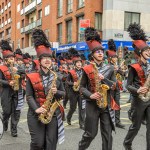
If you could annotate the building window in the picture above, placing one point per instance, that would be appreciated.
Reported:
(22, 43)
(47, 10)
(80, 33)
(18, 7)
(22, 4)
(9, 14)
(59, 29)
(70, 6)
(47, 33)
(22, 23)
(40, 14)
(60, 7)
(129, 18)
(18, 25)
(8, 31)
(80, 3)
(69, 31)
(98, 21)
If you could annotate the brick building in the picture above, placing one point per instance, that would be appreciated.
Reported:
(60, 20)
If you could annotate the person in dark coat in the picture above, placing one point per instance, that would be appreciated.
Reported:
(9, 96)
(43, 91)
(112, 60)
(137, 76)
(73, 82)
(99, 104)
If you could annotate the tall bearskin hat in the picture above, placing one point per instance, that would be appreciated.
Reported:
(25, 58)
(6, 49)
(29, 57)
(83, 57)
(75, 56)
(67, 58)
(61, 60)
(139, 38)
(18, 54)
(93, 39)
(41, 43)
(111, 52)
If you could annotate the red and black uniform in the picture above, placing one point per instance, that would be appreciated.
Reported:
(137, 75)
(39, 84)
(93, 112)
(36, 96)
(136, 78)
(75, 97)
(9, 100)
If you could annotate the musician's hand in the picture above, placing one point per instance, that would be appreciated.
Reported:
(11, 83)
(40, 110)
(101, 77)
(95, 96)
(75, 83)
(15, 69)
(54, 90)
(142, 90)
(115, 68)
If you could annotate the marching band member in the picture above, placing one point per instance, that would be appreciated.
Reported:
(112, 59)
(138, 73)
(97, 80)
(43, 91)
(73, 81)
(9, 80)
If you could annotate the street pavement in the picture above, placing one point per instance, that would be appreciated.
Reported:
(73, 134)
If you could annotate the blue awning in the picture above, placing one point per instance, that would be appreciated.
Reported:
(82, 46)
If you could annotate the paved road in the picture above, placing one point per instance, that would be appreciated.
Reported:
(73, 134)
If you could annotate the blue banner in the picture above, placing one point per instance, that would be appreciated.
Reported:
(82, 46)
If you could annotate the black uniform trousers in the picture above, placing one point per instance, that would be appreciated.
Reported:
(140, 109)
(93, 114)
(65, 101)
(9, 103)
(43, 136)
(75, 98)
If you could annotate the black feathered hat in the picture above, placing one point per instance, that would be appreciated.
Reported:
(25, 58)
(139, 38)
(18, 54)
(75, 56)
(93, 39)
(41, 43)
(111, 52)
(6, 49)
(61, 60)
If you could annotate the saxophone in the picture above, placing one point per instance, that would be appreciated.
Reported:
(146, 97)
(46, 117)
(77, 86)
(101, 89)
(14, 77)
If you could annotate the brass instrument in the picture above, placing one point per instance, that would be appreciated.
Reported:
(46, 117)
(77, 86)
(15, 77)
(101, 89)
(146, 97)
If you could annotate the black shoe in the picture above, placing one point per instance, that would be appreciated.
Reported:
(69, 122)
(127, 147)
(5, 126)
(82, 127)
(129, 101)
(144, 122)
(14, 134)
(120, 125)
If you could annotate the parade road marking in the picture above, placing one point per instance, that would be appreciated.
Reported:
(125, 105)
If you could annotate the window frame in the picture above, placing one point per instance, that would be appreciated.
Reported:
(131, 19)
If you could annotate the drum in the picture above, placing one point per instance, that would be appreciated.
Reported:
(1, 127)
